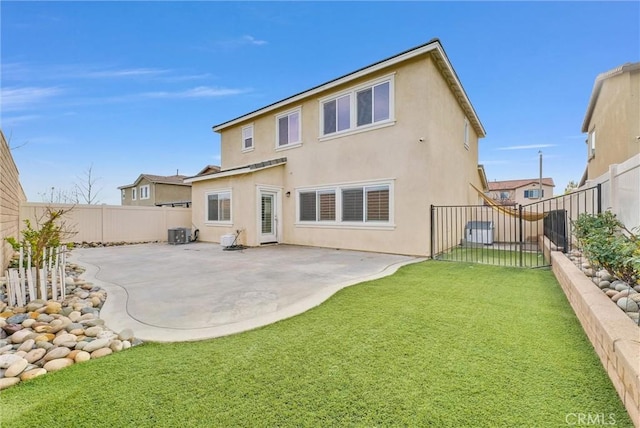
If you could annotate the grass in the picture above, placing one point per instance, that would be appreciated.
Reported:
(486, 255)
(436, 344)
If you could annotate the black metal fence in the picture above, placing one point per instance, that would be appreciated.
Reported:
(520, 235)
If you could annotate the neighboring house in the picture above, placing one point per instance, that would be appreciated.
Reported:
(209, 169)
(612, 121)
(158, 190)
(522, 192)
(354, 163)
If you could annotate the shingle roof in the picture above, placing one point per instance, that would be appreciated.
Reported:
(515, 184)
(161, 179)
(245, 169)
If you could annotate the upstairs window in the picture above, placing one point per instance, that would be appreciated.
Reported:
(288, 129)
(373, 104)
(247, 138)
(124, 193)
(591, 141)
(337, 114)
(466, 133)
(359, 108)
(133, 194)
(144, 192)
(533, 194)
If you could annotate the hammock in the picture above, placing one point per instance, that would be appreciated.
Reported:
(509, 210)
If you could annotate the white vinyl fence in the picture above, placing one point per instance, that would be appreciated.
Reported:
(112, 223)
(621, 191)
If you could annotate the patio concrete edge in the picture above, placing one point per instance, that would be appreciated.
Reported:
(117, 318)
(614, 336)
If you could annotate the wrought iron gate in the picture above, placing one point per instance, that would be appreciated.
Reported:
(520, 235)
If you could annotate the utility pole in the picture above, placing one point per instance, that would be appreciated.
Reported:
(540, 182)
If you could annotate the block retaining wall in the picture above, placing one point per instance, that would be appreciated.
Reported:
(614, 336)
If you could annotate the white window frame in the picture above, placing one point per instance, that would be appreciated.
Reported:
(353, 112)
(247, 129)
(466, 133)
(338, 222)
(591, 144)
(144, 192)
(206, 207)
(134, 193)
(290, 144)
(533, 194)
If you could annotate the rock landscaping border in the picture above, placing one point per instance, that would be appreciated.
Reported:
(613, 334)
(48, 335)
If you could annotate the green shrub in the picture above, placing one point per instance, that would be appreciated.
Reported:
(609, 245)
(50, 233)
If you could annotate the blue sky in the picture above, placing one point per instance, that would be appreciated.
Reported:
(135, 87)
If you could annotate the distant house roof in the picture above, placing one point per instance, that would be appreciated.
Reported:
(245, 169)
(516, 184)
(625, 68)
(433, 47)
(209, 169)
(160, 179)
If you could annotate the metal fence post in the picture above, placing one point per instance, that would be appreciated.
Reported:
(599, 193)
(521, 234)
(432, 236)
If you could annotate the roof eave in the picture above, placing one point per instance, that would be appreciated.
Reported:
(432, 46)
(597, 86)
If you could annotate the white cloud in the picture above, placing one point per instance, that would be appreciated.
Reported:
(198, 92)
(126, 72)
(253, 41)
(16, 98)
(246, 40)
(526, 147)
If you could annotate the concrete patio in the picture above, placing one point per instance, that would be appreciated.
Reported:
(168, 293)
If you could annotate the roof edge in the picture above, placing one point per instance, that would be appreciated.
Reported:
(597, 86)
(432, 46)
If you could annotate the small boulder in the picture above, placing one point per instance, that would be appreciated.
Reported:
(16, 368)
(30, 374)
(59, 364)
(628, 305)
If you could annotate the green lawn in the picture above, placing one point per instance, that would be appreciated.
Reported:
(437, 344)
(491, 256)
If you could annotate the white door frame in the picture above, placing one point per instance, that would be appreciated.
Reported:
(277, 213)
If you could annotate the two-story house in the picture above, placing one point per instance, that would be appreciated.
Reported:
(354, 163)
(157, 190)
(520, 192)
(612, 121)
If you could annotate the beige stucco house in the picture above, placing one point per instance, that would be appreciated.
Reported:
(520, 192)
(612, 121)
(354, 163)
(157, 190)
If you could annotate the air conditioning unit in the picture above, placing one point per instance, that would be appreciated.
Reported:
(227, 240)
(179, 235)
(479, 232)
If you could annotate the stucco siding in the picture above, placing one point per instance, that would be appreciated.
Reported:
(616, 121)
(420, 154)
(168, 193)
